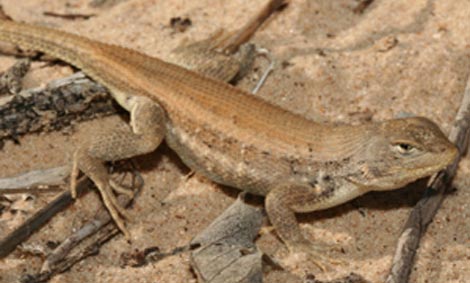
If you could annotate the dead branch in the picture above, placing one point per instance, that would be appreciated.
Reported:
(33, 181)
(11, 79)
(21, 233)
(54, 107)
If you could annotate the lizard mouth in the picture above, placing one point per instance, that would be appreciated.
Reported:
(429, 170)
(453, 152)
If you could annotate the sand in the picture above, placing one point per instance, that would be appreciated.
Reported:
(398, 57)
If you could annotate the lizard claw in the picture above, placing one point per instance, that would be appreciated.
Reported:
(121, 189)
(315, 254)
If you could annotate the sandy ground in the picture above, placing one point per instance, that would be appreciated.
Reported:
(398, 57)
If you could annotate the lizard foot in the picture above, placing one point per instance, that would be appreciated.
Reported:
(105, 186)
(315, 254)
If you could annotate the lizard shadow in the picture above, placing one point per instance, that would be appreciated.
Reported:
(150, 161)
(374, 232)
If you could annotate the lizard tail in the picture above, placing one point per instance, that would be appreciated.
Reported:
(56, 43)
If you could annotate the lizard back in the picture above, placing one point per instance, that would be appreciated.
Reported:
(183, 93)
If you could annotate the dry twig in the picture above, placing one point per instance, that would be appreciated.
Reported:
(31, 181)
(10, 81)
(103, 236)
(54, 261)
(54, 107)
(362, 6)
(21, 233)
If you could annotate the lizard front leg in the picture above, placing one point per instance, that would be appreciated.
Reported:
(282, 203)
(145, 132)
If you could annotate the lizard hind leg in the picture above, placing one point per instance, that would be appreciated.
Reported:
(280, 203)
(145, 132)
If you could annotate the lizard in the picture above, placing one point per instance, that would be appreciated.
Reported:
(237, 139)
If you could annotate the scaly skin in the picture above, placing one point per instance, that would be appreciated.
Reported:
(237, 139)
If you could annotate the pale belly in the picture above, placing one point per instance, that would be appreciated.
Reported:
(227, 164)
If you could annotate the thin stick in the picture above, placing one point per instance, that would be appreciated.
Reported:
(103, 236)
(54, 260)
(424, 211)
(37, 181)
(241, 36)
(21, 233)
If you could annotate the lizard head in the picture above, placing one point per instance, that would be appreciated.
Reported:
(402, 151)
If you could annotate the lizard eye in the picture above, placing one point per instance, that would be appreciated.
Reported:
(404, 148)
